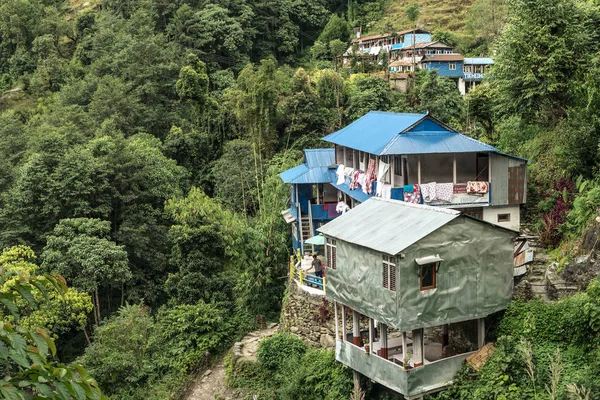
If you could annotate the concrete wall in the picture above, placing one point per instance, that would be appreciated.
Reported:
(490, 214)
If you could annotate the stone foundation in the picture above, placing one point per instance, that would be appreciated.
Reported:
(307, 316)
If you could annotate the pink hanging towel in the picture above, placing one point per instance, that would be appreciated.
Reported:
(370, 176)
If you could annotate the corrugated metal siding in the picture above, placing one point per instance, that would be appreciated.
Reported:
(517, 181)
(435, 142)
(387, 226)
(499, 182)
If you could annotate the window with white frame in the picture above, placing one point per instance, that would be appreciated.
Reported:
(452, 66)
(389, 272)
(330, 250)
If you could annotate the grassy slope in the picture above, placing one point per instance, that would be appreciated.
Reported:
(447, 15)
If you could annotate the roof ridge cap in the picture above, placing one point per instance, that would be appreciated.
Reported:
(418, 206)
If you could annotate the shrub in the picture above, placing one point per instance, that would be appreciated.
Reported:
(316, 376)
(273, 352)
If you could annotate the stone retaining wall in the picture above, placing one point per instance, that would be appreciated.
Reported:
(307, 316)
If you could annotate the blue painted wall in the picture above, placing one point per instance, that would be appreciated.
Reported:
(428, 126)
(443, 68)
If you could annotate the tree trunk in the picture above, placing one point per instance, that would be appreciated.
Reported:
(87, 337)
(98, 308)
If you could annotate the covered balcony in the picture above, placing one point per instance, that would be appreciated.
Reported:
(413, 363)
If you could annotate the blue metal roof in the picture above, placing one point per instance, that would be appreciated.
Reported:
(435, 142)
(319, 157)
(315, 168)
(356, 194)
(479, 61)
(373, 132)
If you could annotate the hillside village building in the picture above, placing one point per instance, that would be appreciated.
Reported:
(418, 271)
(417, 223)
(412, 157)
(404, 56)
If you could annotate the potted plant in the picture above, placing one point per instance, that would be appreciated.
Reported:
(406, 360)
(367, 347)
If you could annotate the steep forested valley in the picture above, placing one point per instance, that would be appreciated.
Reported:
(141, 143)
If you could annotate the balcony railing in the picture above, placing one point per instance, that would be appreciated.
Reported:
(305, 279)
(425, 379)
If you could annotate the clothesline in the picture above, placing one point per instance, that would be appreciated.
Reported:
(371, 183)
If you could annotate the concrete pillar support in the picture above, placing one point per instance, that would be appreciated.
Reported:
(384, 341)
(343, 323)
(480, 333)
(356, 328)
(418, 350)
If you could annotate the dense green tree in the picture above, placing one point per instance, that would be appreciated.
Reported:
(439, 96)
(368, 93)
(255, 104)
(28, 355)
(56, 310)
(80, 249)
(337, 28)
(558, 44)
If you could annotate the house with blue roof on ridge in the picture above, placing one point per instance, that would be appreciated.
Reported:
(409, 157)
(446, 65)
(474, 70)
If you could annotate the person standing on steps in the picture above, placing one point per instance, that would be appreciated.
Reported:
(317, 265)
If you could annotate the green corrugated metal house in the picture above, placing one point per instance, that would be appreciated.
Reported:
(416, 270)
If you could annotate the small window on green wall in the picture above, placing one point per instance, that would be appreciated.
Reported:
(428, 276)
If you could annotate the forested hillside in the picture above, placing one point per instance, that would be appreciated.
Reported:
(140, 146)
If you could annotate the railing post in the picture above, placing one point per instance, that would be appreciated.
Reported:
(291, 267)
(301, 274)
(324, 285)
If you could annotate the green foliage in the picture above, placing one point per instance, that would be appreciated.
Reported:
(544, 347)
(337, 28)
(47, 304)
(412, 11)
(369, 93)
(554, 36)
(79, 250)
(28, 354)
(439, 96)
(288, 369)
(136, 356)
(273, 352)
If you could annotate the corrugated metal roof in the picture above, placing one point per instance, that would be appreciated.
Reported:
(442, 57)
(319, 157)
(315, 168)
(479, 61)
(435, 142)
(356, 194)
(373, 131)
(292, 173)
(381, 133)
(388, 226)
(436, 44)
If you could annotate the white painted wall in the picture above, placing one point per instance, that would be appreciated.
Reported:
(490, 214)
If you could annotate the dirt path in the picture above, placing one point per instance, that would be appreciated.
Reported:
(210, 385)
